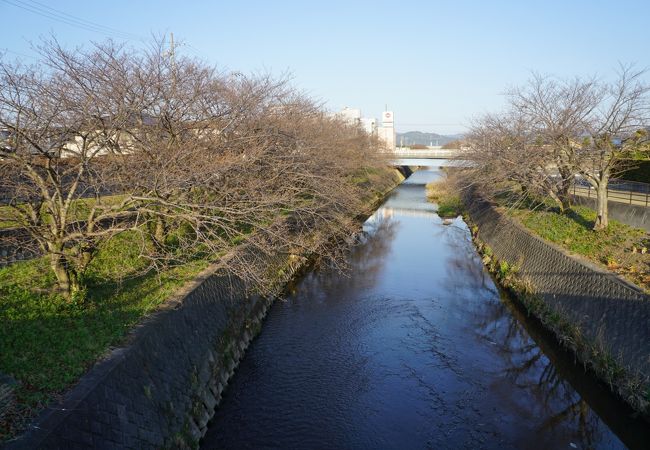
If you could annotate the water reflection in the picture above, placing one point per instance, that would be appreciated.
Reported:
(413, 348)
(570, 398)
(559, 408)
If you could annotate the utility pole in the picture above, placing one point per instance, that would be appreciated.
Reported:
(172, 58)
(172, 52)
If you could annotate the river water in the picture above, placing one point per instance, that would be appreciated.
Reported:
(413, 347)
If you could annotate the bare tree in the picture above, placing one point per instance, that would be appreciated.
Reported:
(554, 130)
(56, 118)
(190, 159)
(556, 111)
(509, 157)
(613, 132)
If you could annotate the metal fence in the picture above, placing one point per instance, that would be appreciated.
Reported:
(622, 191)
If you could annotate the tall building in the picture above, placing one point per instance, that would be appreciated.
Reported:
(369, 124)
(353, 116)
(350, 115)
(386, 132)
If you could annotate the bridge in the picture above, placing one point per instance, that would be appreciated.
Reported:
(428, 153)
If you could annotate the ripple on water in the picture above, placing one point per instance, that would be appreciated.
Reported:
(414, 348)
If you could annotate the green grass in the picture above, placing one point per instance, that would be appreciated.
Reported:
(450, 207)
(449, 203)
(79, 210)
(47, 343)
(618, 247)
(573, 230)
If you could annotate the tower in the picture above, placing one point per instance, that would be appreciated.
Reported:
(387, 131)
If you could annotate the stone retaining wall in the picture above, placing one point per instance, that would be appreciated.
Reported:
(161, 390)
(162, 387)
(608, 310)
(7, 398)
(633, 215)
(15, 245)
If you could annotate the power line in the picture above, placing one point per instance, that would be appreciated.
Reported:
(68, 19)
(109, 29)
(81, 20)
(48, 12)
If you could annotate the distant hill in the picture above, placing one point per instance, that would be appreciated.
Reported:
(420, 138)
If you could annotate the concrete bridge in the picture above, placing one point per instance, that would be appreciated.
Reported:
(429, 153)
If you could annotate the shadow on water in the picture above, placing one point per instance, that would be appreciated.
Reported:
(414, 347)
(567, 391)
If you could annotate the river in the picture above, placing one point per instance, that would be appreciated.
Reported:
(413, 347)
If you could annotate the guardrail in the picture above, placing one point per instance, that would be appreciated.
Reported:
(621, 191)
(428, 153)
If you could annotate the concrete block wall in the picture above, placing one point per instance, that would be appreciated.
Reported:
(607, 309)
(161, 389)
(633, 215)
(7, 398)
(15, 245)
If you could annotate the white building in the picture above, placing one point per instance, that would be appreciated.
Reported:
(386, 132)
(369, 125)
(350, 115)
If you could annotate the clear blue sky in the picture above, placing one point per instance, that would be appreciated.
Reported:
(435, 63)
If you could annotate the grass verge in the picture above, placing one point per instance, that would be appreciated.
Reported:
(47, 343)
(79, 210)
(620, 248)
(441, 193)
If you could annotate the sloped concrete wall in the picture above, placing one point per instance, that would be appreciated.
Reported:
(633, 215)
(161, 389)
(608, 310)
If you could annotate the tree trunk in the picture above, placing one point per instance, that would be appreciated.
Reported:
(602, 219)
(58, 264)
(564, 194)
(75, 283)
(66, 277)
(558, 201)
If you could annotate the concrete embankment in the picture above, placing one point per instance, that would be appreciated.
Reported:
(634, 215)
(14, 246)
(161, 389)
(603, 318)
(406, 171)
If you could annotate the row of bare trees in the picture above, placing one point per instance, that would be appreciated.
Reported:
(106, 140)
(556, 129)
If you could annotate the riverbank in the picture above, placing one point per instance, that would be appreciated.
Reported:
(211, 318)
(569, 277)
(413, 347)
(620, 248)
(602, 319)
(448, 202)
